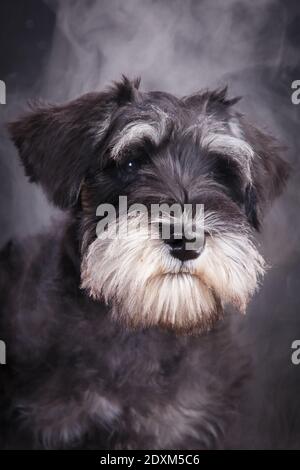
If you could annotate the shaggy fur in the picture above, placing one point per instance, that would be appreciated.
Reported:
(98, 354)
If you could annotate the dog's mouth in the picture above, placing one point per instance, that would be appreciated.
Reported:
(185, 269)
(178, 274)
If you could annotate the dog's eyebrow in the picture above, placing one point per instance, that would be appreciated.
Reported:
(233, 147)
(213, 136)
(140, 130)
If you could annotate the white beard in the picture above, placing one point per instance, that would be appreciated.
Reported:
(146, 286)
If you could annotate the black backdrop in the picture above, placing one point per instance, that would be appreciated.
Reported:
(57, 49)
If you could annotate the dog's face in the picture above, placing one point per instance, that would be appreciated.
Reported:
(155, 149)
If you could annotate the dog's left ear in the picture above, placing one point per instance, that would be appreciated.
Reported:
(269, 172)
(58, 144)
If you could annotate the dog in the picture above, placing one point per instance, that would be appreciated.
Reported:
(125, 342)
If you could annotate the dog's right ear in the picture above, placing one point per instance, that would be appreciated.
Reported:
(270, 172)
(57, 143)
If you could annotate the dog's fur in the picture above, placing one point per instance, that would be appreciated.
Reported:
(99, 349)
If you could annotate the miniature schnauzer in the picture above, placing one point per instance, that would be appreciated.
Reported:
(122, 342)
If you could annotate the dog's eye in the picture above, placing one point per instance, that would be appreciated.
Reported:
(131, 166)
(128, 170)
(228, 174)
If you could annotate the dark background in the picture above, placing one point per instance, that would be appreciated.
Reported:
(56, 50)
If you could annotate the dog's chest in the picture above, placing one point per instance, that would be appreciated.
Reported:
(143, 390)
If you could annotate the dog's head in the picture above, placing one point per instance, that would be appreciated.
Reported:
(157, 149)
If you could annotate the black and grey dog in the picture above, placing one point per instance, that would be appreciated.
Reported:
(112, 343)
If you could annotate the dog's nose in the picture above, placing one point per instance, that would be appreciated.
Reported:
(180, 248)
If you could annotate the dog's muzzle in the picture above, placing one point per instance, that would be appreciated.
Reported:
(149, 280)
